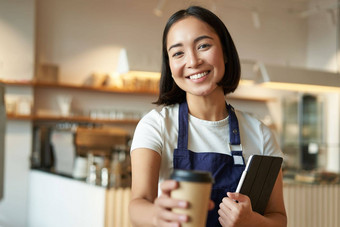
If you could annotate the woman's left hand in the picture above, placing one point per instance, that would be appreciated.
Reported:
(235, 210)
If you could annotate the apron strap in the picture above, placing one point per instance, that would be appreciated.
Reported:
(235, 139)
(182, 141)
(234, 132)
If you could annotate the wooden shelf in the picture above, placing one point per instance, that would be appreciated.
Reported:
(16, 83)
(114, 90)
(84, 119)
(79, 119)
(78, 87)
(19, 117)
(97, 89)
(252, 99)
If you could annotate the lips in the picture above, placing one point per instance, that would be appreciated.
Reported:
(198, 75)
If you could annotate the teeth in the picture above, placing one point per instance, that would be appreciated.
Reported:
(197, 76)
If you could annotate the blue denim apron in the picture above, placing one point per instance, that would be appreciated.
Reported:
(225, 169)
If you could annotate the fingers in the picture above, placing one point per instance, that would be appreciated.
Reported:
(234, 209)
(164, 205)
(165, 216)
(224, 214)
(226, 206)
(230, 204)
(223, 221)
(169, 203)
(165, 200)
(167, 186)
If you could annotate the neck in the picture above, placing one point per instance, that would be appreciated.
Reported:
(212, 108)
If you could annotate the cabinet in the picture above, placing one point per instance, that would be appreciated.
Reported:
(50, 197)
(303, 131)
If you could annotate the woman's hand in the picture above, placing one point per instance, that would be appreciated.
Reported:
(164, 203)
(235, 210)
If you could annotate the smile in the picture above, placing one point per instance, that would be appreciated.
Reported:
(198, 75)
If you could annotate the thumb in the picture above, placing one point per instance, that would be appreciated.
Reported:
(237, 196)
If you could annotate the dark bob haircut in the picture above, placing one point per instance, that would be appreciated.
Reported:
(169, 92)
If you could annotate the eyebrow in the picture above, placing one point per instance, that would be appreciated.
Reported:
(195, 41)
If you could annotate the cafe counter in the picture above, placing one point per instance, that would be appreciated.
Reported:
(56, 201)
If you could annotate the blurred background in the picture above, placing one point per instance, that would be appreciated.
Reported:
(77, 75)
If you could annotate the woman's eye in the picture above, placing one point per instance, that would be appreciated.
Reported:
(177, 54)
(203, 46)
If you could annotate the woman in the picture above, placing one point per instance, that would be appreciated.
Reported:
(196, 129)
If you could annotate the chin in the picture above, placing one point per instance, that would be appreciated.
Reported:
(202, 93)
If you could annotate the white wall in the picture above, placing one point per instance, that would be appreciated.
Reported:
(322, 40)
(16, 63)
(17, 39)
(333, 132)
(84, 36)
(281, 38)
(323, 53)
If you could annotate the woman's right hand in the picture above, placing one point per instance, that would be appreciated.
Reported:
(164, 204)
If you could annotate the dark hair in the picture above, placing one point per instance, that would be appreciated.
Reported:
(169, 92)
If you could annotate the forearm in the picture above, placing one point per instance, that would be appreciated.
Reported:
(141, 213)
(270, 220)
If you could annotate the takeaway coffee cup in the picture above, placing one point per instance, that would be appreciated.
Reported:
(194, 187)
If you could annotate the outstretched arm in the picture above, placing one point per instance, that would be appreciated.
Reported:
(145, 209)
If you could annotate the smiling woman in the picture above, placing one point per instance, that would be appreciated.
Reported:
(195, 57)
(202, 41)
(197, 130)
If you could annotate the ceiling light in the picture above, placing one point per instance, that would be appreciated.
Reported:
(127, 66)
(158, 11)
(297, 79)
(256, 19)
(319, 8)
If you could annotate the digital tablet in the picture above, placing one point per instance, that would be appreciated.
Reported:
(258, 179)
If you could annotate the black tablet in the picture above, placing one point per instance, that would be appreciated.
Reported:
(258, 179)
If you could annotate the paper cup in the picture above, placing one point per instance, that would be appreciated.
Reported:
(194, 187)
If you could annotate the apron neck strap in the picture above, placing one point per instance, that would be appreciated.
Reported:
(183, 122)
(183, 114)
(234, 132)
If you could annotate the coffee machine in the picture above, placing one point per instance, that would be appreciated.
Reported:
(106, 150)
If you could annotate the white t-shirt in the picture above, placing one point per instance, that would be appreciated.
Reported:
(158, 131)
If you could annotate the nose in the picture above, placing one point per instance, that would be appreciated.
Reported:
(193, 60)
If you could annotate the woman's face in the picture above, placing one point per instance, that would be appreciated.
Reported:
(195, 56)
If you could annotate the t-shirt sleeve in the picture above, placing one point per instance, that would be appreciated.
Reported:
(270, 144)
(148, 133)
